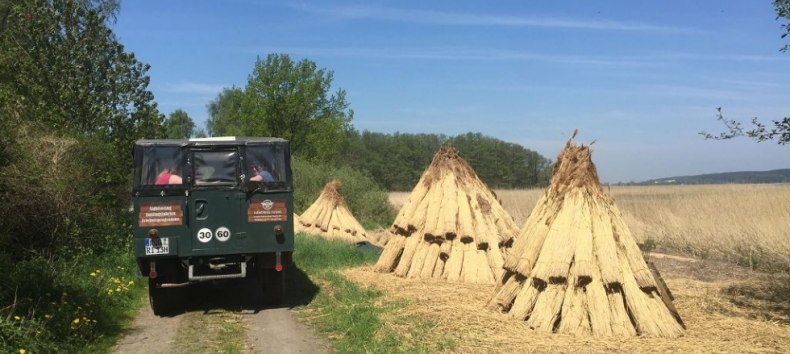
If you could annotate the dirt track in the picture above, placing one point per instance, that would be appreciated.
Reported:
(208, 309)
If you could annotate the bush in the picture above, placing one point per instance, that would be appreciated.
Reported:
(367, 200)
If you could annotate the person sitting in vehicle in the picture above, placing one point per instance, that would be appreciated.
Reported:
(261, 174)
(168, 176)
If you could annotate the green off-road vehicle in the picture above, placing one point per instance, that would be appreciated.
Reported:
(210, 209)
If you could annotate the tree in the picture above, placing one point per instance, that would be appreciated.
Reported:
(70, 90)
(225, 113)
(777, 129)
(291, 100)
(178, 125)
(782, 8)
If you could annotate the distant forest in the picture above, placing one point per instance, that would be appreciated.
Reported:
(396, 161)
(773, 176)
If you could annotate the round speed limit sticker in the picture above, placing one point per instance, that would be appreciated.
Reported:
(223, 234)
(204, 235)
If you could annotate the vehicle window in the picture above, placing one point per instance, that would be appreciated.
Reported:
(267, 163)
(161, 165)
(216, 167)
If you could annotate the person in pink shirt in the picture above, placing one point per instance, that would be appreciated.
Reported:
(168, 176)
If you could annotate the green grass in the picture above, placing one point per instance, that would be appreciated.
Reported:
(79, 305)
(349, 315)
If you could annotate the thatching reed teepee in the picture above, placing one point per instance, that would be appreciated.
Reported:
(452, 227)
(330, 217)
(576, 268)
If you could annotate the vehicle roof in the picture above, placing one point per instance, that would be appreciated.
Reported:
(220, 140)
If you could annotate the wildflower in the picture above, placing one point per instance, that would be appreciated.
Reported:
(76, 321)
(47, 316)
(17, 318)
(131, 282)
(93, 274)
(98, 271)
(22, 351)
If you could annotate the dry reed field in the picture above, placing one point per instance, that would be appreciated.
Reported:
(746, 224)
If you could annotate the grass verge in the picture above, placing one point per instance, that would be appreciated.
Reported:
(355, 319)
(80, 305)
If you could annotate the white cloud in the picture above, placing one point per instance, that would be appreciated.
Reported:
(461, 19)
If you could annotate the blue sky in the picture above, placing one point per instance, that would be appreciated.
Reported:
(641, 78)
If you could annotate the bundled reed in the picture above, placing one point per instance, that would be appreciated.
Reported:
(452, 227)
(330, 217)
(575, 267)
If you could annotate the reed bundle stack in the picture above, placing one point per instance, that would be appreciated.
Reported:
(452, 227)
(576, 268)
(330, 217)
(298, 227)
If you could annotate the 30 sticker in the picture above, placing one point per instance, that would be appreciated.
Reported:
(223, 234)
(204, 235)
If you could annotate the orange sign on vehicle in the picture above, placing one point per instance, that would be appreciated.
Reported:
(160, 214)
(267, 211)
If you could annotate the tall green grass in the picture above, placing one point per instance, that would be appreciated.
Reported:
(348, 314)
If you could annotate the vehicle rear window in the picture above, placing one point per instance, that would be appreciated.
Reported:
(216, 167)
(161, 166)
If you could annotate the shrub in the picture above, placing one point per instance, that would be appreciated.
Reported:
(367, 200)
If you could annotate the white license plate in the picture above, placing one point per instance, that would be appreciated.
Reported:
(157, 246)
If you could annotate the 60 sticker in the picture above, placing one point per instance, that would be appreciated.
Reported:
(223, 234)
(205, 235)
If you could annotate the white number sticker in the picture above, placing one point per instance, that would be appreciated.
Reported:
(204, 235)
(223, 234)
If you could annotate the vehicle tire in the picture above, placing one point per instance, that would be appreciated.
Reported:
(160, 299)
(274, 287)
(271, 283)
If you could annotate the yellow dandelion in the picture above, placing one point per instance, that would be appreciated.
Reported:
(22, 351)
(93, 274)
(17, 318)
(76, 321)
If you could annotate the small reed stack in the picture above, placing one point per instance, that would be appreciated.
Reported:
(330, 217)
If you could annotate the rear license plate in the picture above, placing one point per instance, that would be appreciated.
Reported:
(157, 246)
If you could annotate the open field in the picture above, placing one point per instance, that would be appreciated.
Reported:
(744, 224)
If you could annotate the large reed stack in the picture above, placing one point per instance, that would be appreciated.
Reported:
(452, 227)
(329, 217)
(575, 267)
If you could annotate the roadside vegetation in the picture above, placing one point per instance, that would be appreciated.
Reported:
(355, 319)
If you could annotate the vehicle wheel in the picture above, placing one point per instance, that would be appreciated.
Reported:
(160, 299)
